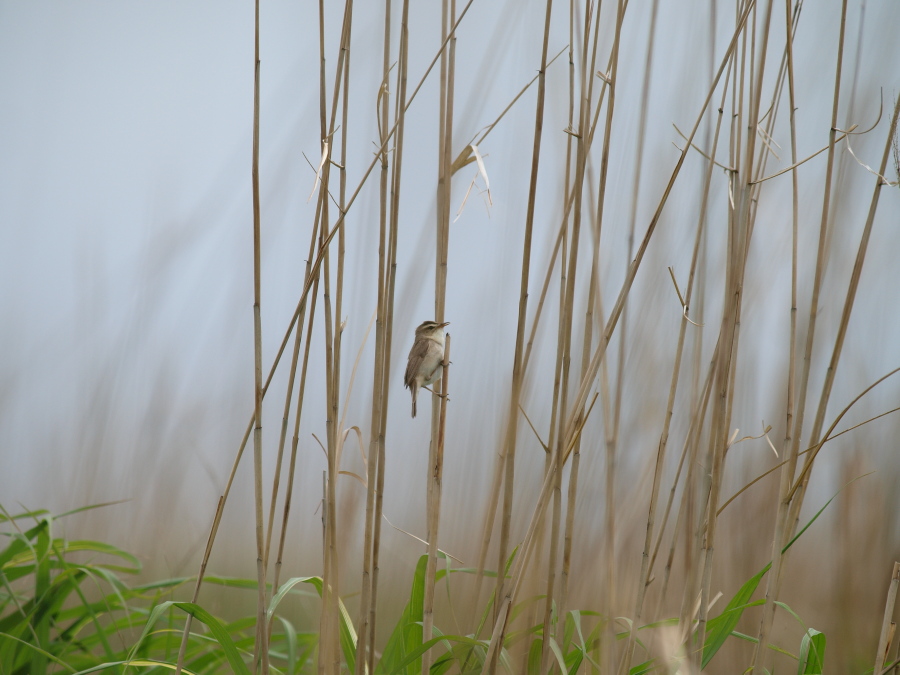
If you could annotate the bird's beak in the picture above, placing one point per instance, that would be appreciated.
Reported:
(446, 323)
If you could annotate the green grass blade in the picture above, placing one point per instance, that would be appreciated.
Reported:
(216, 628)
(406, 637)
(534, 657)
(719, 628)
(812, 653)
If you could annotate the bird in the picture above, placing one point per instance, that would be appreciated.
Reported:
(424, 366)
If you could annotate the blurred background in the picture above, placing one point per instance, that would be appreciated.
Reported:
(126, 286)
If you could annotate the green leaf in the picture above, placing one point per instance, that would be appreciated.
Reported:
(415, 655)
(290, 635)
(20, 543)
(534, 657)
(719, 628)
(216, 628)
(554, 647)
(347, 631)
(642, 668)
(812, 653)
(407, 634)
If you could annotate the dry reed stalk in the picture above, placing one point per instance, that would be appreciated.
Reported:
(820, 263)
(886, 623)
(330, 594)
(574, 421)
(434, 513)
(793, 509)
(445, 157)
(612, 435)
(799, 488)
(552, 457)
(788, 446)
(564, 341)
(295, 439)
(647, 559)
(400, 123)
(632, 220)
(738, 245)
(696, 495)
(325, 623)
(309, 283)
(852, 287)
(691, 443)
(573, 472)
(509, 445)
(261, 653)
(329, 647)
(296, 434)
(597, 357)
(498, 469)
(289, 390)
(293, 367)
(329, 654)
(378, 392)
(498, 472)
(223, 498)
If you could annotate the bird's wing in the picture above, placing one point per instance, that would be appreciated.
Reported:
(416, 356)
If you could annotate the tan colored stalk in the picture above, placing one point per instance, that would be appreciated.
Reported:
(311, 280)
(576, 458)
(223, 498)
(400, 125)
(296, 434)
(698, 410)
(465, 157)
(597, 358)
(509, 445)
(623, 339)
(886, 623)
(820, 257)
(498, 473)
(691, 443)
(738, 242)
(552, 457)
(610, 86)
(260, 649)
(434, 514)
(575, 420)
(564, 343)
(445, 144)
(612, 429)
(295, 439)
(852, 287)
(694, 530)
(329, 648)
(378, 392)
(803, 479)
(646, 558)
(328, 632)
(762, 655)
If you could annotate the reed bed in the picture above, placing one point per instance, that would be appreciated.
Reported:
(623, 514)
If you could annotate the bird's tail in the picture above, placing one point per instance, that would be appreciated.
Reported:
(413, 390)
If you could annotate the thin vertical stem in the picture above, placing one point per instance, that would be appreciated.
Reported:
(886, 622)
(509, 444)
(378, 392)
(434, 515)
(261, 652)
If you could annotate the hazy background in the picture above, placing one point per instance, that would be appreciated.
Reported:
(126, 340)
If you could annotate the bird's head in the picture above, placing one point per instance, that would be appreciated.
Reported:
(431, 328)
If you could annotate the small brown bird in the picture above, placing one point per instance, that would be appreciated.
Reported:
(424, 365)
